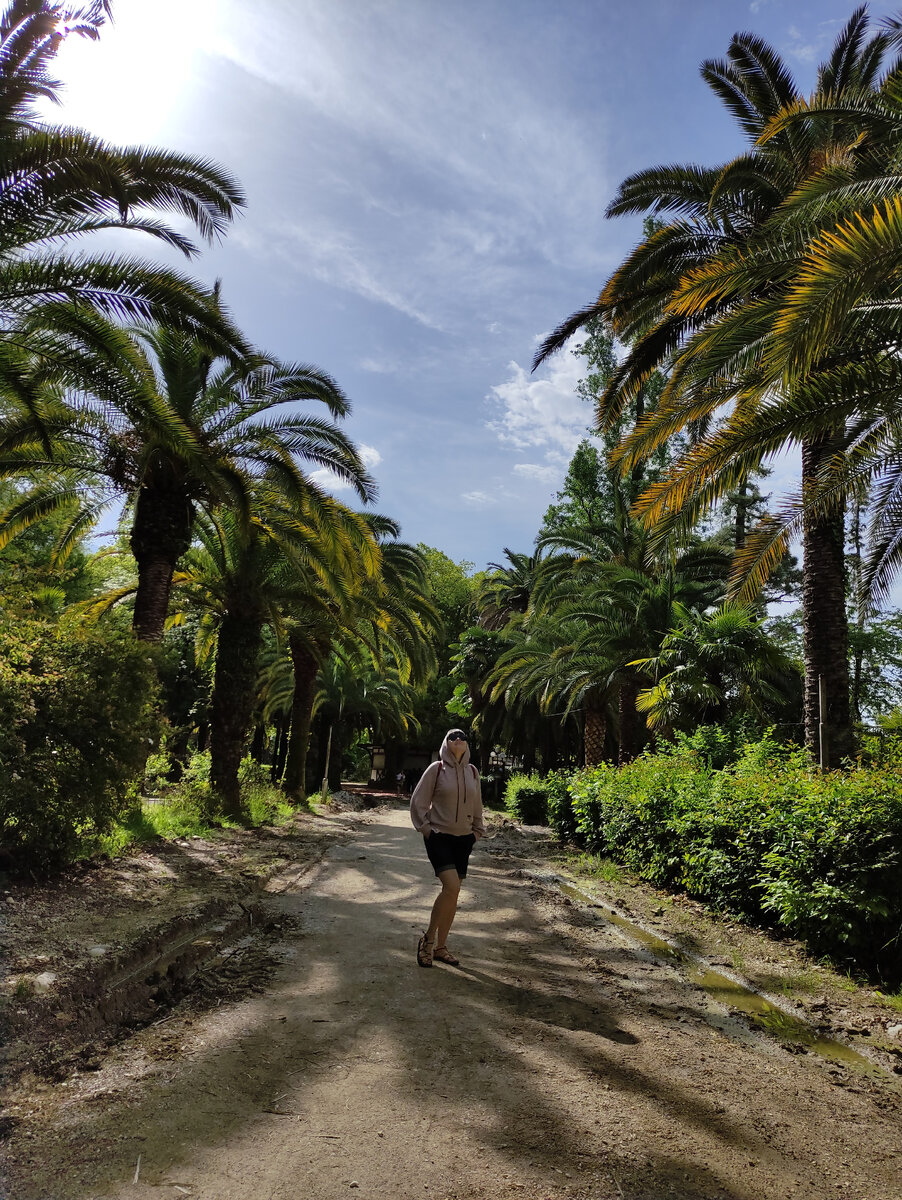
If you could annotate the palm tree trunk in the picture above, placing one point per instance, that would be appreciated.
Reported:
(160, 535)
(858, 655)
(594, 733)
(232, 705)
(825, 624)
(258, 745)
(306, 669)
(152, 597)
(629, 723)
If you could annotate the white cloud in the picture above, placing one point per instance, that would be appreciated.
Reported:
(456, 170)
(542, 410)
(334, 257)
(479, 499)
(330, 482)
(379, 366)
(810, 49)
(370, 455)
(543, 474)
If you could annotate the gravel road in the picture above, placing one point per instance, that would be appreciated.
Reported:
(557, 1061)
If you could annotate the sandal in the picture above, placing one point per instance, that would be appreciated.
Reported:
(443, 954)
(424, 952)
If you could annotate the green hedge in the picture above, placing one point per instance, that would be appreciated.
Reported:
(526, 799)
(819, 856)
(77, 720)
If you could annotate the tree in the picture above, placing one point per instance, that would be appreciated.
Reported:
(701, 298)
(506, 591)
(173, 429)
(713, 667)
(62, 183)
(382, 606)
(355, 693)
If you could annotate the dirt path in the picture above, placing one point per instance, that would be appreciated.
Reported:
(558, 1062)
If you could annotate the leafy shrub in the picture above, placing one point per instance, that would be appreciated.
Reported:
(818, 855)
(719, 745)
(157, 771)
(194, 789)
(526, 799)
(77, 719)
(265, 803)
(559, 805)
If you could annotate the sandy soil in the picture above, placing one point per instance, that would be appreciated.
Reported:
(558, 1061)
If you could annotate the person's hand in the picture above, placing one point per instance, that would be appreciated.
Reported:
(426, 833)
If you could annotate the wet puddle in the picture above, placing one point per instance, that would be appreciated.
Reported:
(728, 991)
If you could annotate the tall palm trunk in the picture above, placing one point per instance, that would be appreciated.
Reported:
(306, 668)
(160, 535)
(825, 624)
(232, 705)
(594, 731)
(629, 723)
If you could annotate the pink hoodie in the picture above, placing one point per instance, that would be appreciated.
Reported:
(448, 797)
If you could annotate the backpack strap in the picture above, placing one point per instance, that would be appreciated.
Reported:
(475, 770)
(441, 767)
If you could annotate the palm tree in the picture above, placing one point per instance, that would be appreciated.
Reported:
(616, 564)
(701, 297)
(172, 429)
(549, 664)
(61, 183)
(713, 666)
(507, 591)
(356, 693)
(385, 609)
(242, 576)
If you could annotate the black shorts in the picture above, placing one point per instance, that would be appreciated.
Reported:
(447, 850)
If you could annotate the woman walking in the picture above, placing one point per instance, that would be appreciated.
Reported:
(446, 808)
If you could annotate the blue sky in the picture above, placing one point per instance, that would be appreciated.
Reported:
(427, 183)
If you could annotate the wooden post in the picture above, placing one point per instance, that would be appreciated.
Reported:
(328, 756)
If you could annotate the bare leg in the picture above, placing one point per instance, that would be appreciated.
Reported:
(444, 908)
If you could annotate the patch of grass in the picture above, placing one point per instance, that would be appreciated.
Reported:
(737, 961)
(804, 981)
(597, 867)
(893, 1000)
(187, 813)
(170, 819)
(847, 983)
(22, 990)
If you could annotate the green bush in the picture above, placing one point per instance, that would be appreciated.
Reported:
(559, 805)
(194, 789)
(820, 856)
(77, 720)
(526, 799)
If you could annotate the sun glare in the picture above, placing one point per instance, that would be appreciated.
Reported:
(135, 83)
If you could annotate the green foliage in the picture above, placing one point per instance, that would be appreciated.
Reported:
(818, 855)
(195, 791)
(186, 812)
(526, 799)
(77, 719)
(719, 745)
(561, 816)
(263, 803)
(157, 771)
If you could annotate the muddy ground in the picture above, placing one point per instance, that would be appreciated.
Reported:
(270, 1035)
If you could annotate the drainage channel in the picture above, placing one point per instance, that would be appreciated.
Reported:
(764, 1013)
